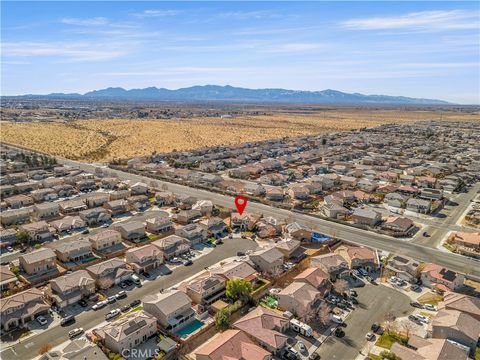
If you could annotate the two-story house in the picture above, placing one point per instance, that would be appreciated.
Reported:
(144, 258)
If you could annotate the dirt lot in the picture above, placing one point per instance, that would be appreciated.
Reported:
(104, 140)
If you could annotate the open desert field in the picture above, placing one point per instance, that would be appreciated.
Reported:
(103, 140)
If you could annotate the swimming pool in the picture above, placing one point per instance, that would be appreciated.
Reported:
(190, 328)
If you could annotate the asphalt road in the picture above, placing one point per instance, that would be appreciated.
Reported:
(424, 253)
(28, 348)
(374, 302)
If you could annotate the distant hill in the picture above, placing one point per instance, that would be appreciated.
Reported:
(236, 94)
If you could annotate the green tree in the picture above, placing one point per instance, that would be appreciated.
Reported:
(239, 289)
(23, 237)
(222, 319)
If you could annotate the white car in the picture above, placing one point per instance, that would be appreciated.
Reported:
(75, 332)
(422, 318)
(370, 336)
(99, 305)
(112, 314)
(42, 320)
(430, 307)
(9, 249)
(337, 319)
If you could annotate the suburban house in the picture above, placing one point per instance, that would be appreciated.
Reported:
(231, 344)
(38, 230)
(72, 207)
(131, 230)
(70, 288)
(109, 273)
(128, 332)
(138, 202)
(160, 223)
(469, 240)
(38, 262)
(172, 309)
(144, 258)
(16, 310)
(266, 327)
(184, 202)
(187, 216)
(96, 199)
(46, 210)
(357, 257)
(205, 290)
(236, 270)
(74, 251)
(333, 264)
(95, 216)
(316, 277)
(15, 216)
(194, 233)
(164, 198)
(300, 298)
(398, 225)
(244, 222)
(6, 277)
(418, 205)
(298, 231)
(438, 278)
(7, 237)
(105, 239)
(116, 207)
(204, 206)
(467, 304)
(365, 216)
(77, 349)
(68, 223)
(456, 326)
(290, 248)
(139, 188)
(19, 201)
(172, 246)
(428, 349)
(403, 268)
(268, 261)
(334, 210)
(215, 227)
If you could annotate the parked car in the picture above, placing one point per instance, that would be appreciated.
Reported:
(353, 293)
(339, 332)
(430, 307)
(314, 356)
(135, 303)
(9, 249)
(86, 231)
(302, 346)
(167, 272)
(416, 304)
(337, 319)
(125, 308)
(219, 242)
(83, 303)
(146, 274)
(112, 314)
(111, 299)
(99, 305)
(188, 263)
(75, 332)
(123, 285)
(240, 253)
(422, 318)
(122, 294)
(363, 271)
(375, 327)
(414, 287)
(68, 320)
(370, 336)
(42, 320)
(354, 301)
(425, 234)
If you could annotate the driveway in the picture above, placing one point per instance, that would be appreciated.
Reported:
(375, 301)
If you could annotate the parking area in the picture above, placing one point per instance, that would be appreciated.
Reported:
(375, 302)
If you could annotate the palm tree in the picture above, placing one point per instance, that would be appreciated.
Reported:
(239, 289)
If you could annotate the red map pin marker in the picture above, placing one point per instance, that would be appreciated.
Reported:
(240, 203)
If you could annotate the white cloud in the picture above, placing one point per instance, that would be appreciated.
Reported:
(157, 13)
(68, 51)
(294, 48)
(96, 21)
(438, 20)
(261, 14)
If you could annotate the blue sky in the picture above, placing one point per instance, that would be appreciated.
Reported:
(419, 49)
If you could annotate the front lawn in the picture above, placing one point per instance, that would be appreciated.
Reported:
(430, 298)
(386, 340)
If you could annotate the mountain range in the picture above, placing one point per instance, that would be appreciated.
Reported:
(237, 94)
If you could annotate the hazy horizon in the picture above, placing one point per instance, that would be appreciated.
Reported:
(414, 49)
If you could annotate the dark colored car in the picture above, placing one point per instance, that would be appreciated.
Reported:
(240, 253)
(68, 320)
(135, 303)
(219, 242)
(146, 274)
(314, 356)
(125, 308)
(82, 303)
(188, 263)
(354, 301)
(339, 332)
(416, 304)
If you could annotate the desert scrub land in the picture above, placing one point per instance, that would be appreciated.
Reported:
(103, 140)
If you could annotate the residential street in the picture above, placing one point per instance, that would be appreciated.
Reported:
(421, 252)
(29, 347)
